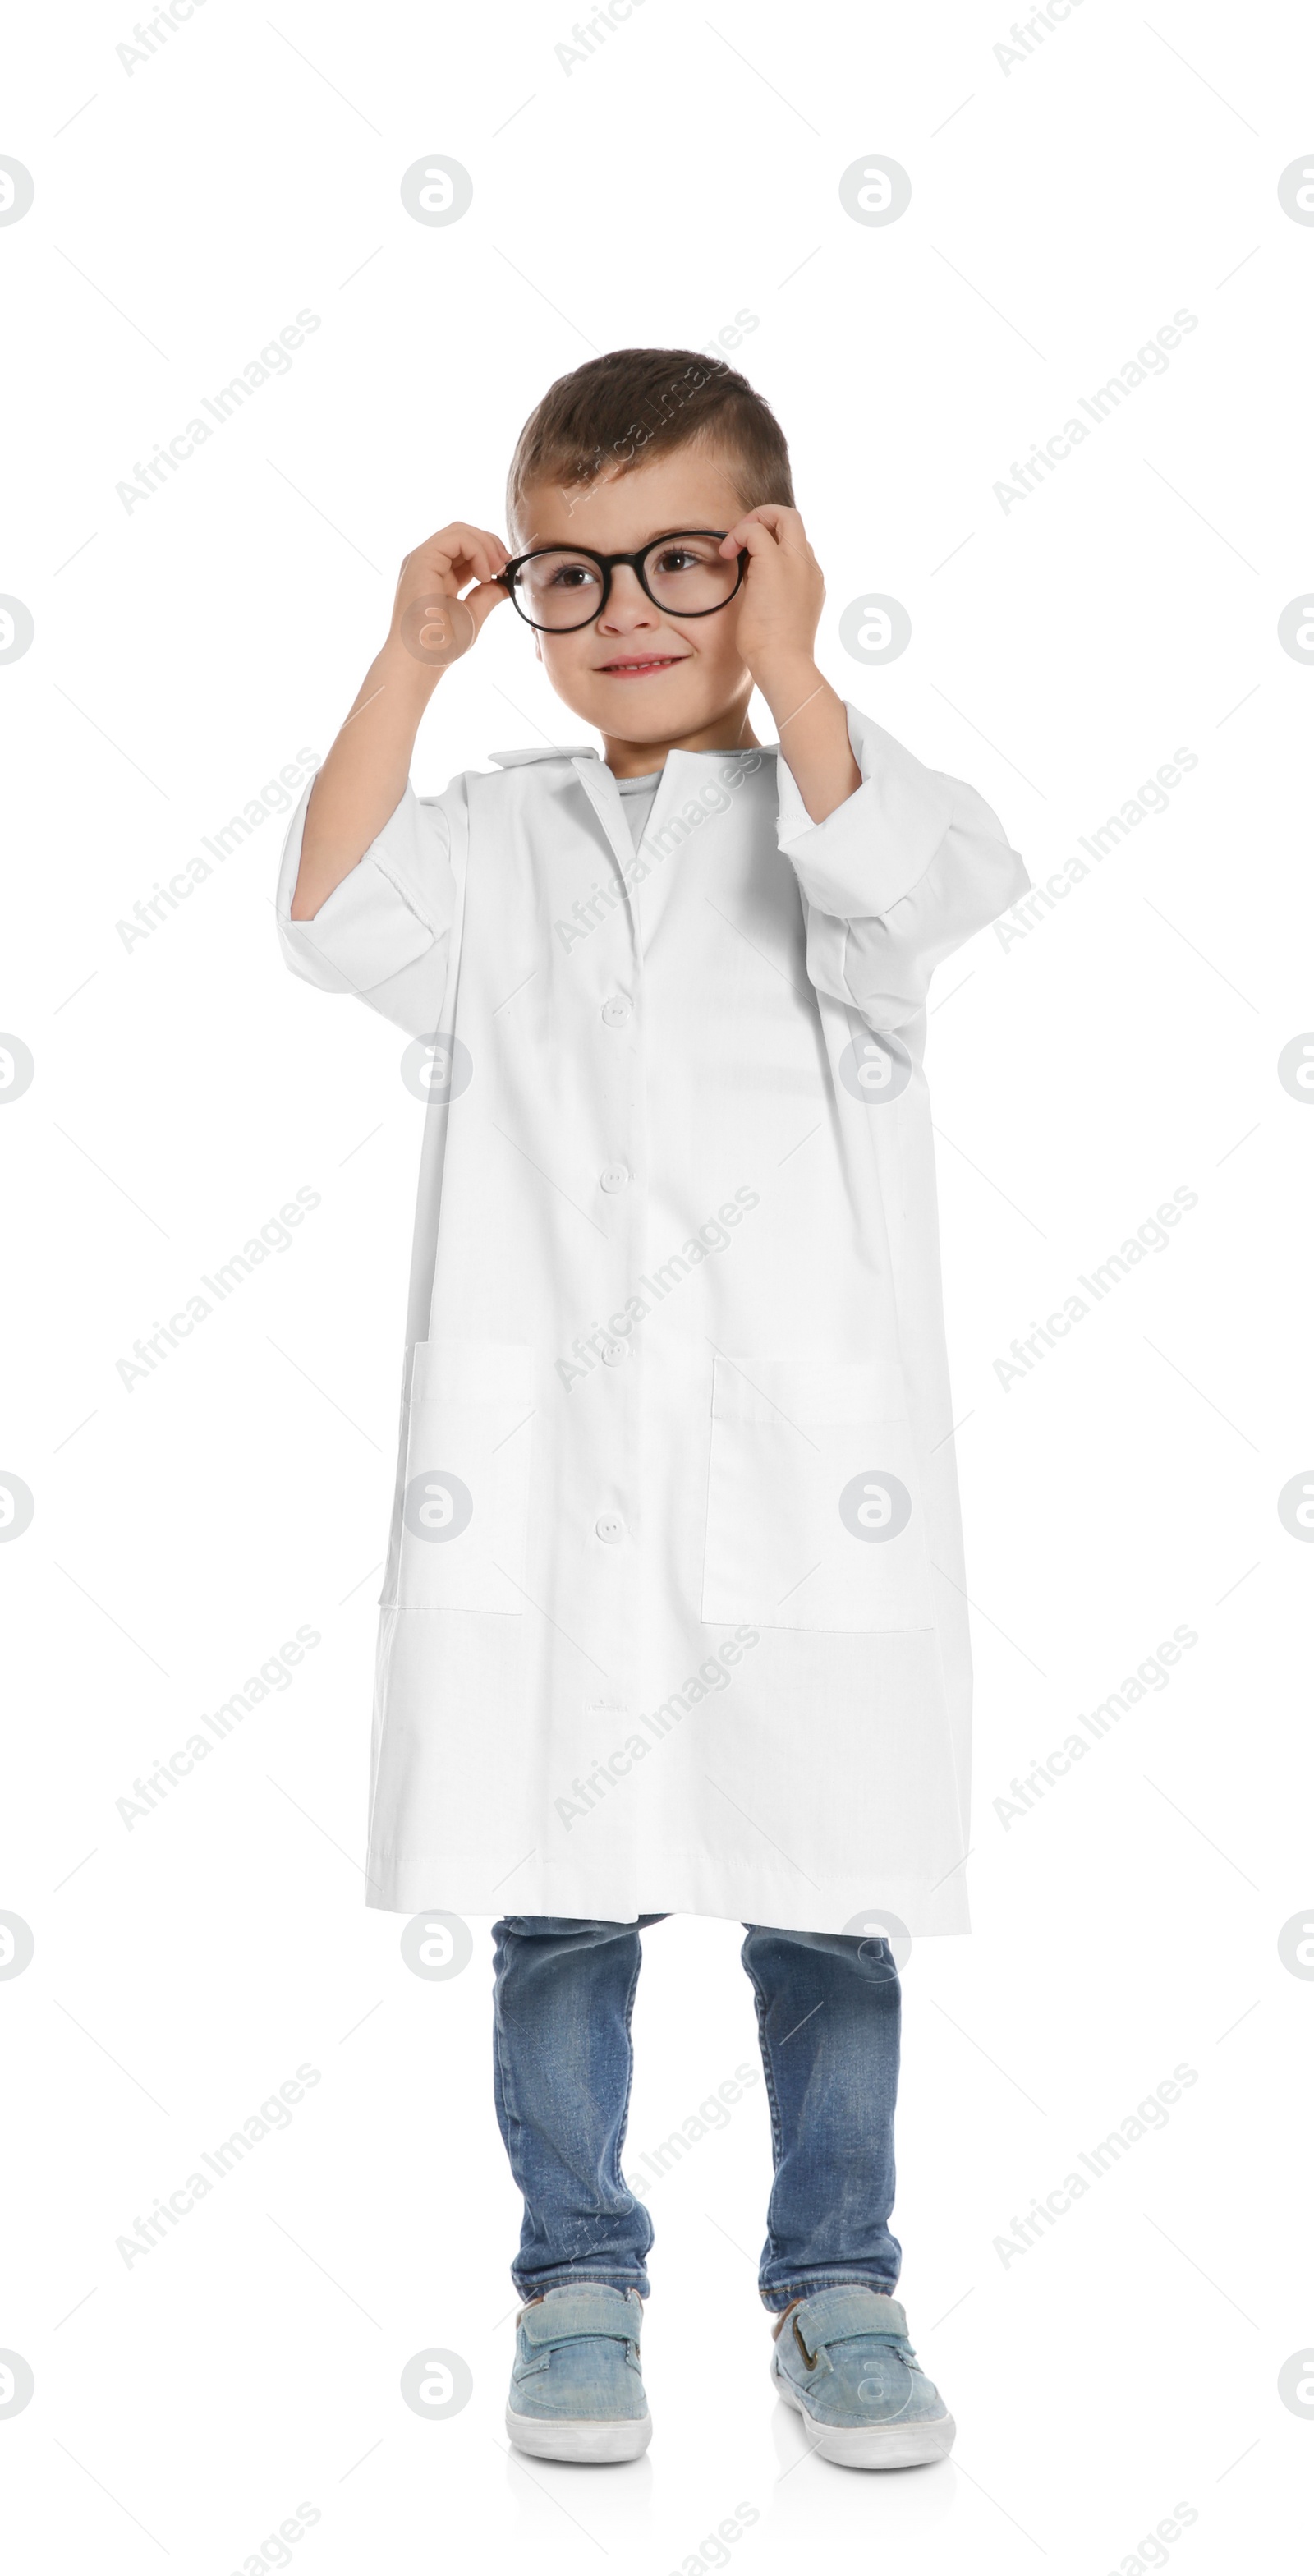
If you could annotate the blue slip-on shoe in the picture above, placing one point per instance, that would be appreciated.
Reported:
(843, 2359)
(576, 2386)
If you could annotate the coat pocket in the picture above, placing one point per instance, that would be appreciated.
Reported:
(465, 1495)
(814, 1512)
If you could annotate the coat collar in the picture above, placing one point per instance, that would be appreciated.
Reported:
(589, 751)
(550, 751)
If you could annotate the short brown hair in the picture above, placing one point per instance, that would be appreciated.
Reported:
(619, 409)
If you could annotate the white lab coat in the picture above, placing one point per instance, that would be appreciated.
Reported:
(673, 1618)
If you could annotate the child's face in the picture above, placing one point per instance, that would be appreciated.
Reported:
(638, 674)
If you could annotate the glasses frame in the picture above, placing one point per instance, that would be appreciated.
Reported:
(607, 565)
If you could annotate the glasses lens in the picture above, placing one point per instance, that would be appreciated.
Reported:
(558, 590)
(689, 574)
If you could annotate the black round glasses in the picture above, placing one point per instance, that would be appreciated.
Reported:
(558, 589)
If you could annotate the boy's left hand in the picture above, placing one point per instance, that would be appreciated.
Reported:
(782, 596)
(779, 609)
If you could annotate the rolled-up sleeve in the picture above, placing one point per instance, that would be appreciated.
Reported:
(906, 869)
(385, 932)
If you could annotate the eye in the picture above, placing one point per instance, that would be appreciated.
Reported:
(675, 559)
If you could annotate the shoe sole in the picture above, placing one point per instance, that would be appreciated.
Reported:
(872, 2446)
(579, 2437)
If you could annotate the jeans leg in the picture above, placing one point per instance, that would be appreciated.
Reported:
(562, 2066)
(828, 2018)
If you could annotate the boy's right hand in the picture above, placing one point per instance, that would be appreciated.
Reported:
(364, 777)
(429, 616)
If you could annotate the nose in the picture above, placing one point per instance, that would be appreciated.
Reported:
(629, 607)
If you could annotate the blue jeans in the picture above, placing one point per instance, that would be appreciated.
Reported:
(828, 2020)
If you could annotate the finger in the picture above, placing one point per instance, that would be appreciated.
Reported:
(462, 550)
(483, 545)
(460, 533)
(442, 571)
(485, 564)
(487, 552)
(444, 548)
(474, 565)
(775, 515)
(429, 564)
(751, 535)
(463, 558)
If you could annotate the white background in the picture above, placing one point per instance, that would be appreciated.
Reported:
(1063, 208)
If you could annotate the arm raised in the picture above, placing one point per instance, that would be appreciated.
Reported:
(364, 776)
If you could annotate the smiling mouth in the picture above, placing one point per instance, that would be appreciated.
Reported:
(637, 670)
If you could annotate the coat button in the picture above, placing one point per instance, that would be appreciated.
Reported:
(616, 1010)
(610, 1526)
(613, 1176)
(614, 1351)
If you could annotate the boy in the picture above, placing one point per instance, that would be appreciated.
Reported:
(673, 1618)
